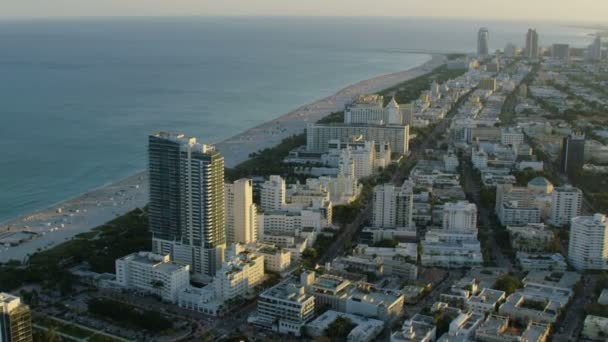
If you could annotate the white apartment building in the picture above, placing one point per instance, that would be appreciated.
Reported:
(241, 212)
(532, 237)
(511, 136)
(461, 215)
(479, 158)
(152, 273)
(238, 276)
(595, 328)
(393, 207)
(463, 327)
(285, 222)
(516, 206)
(450, 162)
(272, 194)
(588, 247)
(284, 308)
(419, 328)
(486, 301)
(450, 249)
(567, 202)
(276, 259)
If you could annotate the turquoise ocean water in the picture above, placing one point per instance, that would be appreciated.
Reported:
(78, 97)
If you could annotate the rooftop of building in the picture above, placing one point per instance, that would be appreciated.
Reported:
(489, 296)
(330, 282)
(539, 181)
(565, 280)
(328, 317)
(374, 296)
(288, 291)
(7, 298)
(160, 262)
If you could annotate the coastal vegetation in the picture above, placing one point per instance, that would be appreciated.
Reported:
(268, 161)
(339, 329)
(508, 283)
(123, 313)
(410, 90)
(99, 249)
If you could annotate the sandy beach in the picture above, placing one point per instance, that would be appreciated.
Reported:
(63, 221)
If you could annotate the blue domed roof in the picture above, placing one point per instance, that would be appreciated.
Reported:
(539, 181)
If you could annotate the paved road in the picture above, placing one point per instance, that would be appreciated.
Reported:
(484, 216)
(347, 235)
(575, 314)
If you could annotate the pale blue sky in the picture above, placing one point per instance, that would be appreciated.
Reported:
(588, 10)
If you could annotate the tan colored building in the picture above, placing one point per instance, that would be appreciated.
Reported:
(15, 319)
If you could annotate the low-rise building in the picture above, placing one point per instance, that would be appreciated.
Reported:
(595, 328)
(463, 327)
(365, 330)
(541, 262)
(359, 264)
(450, 249)
(419, 328)
(486, 301)
(276, 259)
(284, 308)
(528, 308)
(533, 237)
(496, 329)
(153, 274)
(368, 301)
(516, 206)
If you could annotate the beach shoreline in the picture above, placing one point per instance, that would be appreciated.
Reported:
(64, 220)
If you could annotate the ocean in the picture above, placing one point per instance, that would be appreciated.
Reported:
(78, 97)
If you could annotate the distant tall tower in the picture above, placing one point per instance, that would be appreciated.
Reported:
(532, 50)
(510, 50)
(572, 154)
(483, 42)
(595, 50)
(241, 213)
(187, 202)
(15, 319)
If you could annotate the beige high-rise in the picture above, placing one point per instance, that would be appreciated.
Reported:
(241, 212)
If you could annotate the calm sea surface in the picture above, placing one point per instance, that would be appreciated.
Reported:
(79, 97)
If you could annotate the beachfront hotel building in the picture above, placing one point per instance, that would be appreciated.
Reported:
(186, 207)
(370, 109)
(393, 207)
(241, 212)
(15, 319)
(588, 247)
(318, 135)
(566, 203)
(272, 194)
(151, 273)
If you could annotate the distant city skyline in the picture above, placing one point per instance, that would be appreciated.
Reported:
(562, 10)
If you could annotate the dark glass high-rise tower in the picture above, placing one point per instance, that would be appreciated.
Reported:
(572, 156)
(187, 202)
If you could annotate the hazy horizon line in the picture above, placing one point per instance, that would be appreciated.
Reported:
(582, 22)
